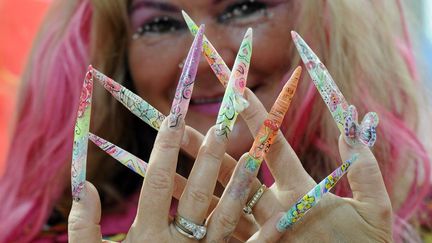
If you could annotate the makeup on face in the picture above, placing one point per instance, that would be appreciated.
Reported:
(161, 38)
(152, 17)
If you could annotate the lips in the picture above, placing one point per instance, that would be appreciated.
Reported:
(206, 100)
(210, 104)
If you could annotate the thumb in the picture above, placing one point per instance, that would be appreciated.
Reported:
(365, 176)
(84, 217)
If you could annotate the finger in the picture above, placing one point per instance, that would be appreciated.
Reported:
(227, 213)
(268, 233)
(157, 190)
(84, 217)
(365, 176)
(191, 143)
(195, 200)
(246, 227)
(283, 162)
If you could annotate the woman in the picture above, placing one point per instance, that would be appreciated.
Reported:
(144, 42)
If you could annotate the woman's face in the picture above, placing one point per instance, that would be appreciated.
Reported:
(162, 40)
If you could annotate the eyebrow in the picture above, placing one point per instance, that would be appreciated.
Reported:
(156, 5)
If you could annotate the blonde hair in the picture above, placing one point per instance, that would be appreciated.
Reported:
(356, 40)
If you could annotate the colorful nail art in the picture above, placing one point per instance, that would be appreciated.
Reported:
(216, 62)
(127, 159)
(233, 101)
(269, 129)
(185, 85)
(343, 114)
(302, 206)
(131, 101)
(81, 131)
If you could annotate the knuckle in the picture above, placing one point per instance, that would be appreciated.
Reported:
(199, 196)
(250, 114)
(210, 153)
(159, 179)
(166, 143)
(76, 223)
(227, 221)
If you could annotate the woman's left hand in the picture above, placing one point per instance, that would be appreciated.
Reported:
(367, 217)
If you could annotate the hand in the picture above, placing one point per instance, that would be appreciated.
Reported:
(152, 222)
(365, 217)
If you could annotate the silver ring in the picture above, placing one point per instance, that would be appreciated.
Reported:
(258, 194)
(189, 229)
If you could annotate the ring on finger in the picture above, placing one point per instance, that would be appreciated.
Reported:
(258, 194)
(189, 228)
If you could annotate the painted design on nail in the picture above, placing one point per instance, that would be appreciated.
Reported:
(131, 101)
(343, 114)
(269, 129)
(185, 85)
(216, 62)
(127, 159)
(365, 132)
(233, 101)
(302, 206)
(82, 127)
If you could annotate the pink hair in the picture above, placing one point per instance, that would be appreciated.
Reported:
(44, 129)
(42, 140)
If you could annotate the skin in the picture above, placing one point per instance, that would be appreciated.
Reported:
(332, 220)
(368, 212)
(270, 60)
(152, 222)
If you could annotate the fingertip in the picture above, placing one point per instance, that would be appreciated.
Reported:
(84, 217)
(88, 207)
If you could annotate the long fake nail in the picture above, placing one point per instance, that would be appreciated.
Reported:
(344, 115)
(269, 129)
(233, 101)
(216, 62)
(302, 206)
(81, 133)
(185, 85)
(124, 157)
(131, 101)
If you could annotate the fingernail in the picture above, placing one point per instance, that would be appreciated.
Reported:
(80, 143)
(185, 85)
(133, 102)
(311, 199)
(213, 58)
(269, 129)
(233, 100)
(124, 157)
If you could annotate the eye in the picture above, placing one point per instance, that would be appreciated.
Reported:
(159, 25)
(243, 10)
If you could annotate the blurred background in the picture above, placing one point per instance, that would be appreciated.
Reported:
(20, 19)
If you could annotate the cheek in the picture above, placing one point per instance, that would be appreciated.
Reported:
(271, 49)
(272, 42)
(155, 69)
